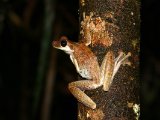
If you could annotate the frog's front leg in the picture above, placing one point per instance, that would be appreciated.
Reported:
(77, 89)
(86, 32)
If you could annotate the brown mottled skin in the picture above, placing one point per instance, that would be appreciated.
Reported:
(87, 66)
(87, 60)
(84, 56)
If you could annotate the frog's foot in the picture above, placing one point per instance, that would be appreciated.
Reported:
(121, 59)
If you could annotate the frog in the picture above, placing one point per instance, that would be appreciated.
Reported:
(86, 64)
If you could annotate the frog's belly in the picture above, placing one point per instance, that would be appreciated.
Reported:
(85, 73)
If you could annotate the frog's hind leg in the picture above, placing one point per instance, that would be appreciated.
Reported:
(121, 59)
(111, 66)
(77, 89)
(107, 70)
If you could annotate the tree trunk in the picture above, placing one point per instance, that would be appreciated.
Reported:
(114, 25)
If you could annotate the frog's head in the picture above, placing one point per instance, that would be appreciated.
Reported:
(63, 44)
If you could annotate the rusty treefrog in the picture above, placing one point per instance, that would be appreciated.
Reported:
(87, 66)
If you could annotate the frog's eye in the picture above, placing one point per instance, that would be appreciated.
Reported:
(63, 43)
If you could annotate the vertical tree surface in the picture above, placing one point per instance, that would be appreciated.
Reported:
(113, 25)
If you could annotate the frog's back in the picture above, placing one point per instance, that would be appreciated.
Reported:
(87, 61)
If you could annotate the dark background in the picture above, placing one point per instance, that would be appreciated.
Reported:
(27, 28)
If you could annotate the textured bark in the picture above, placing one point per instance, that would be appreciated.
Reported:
(122, 33)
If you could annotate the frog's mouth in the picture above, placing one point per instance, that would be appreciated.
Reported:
(67, 49)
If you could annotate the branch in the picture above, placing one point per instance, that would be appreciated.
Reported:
(113, 26)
